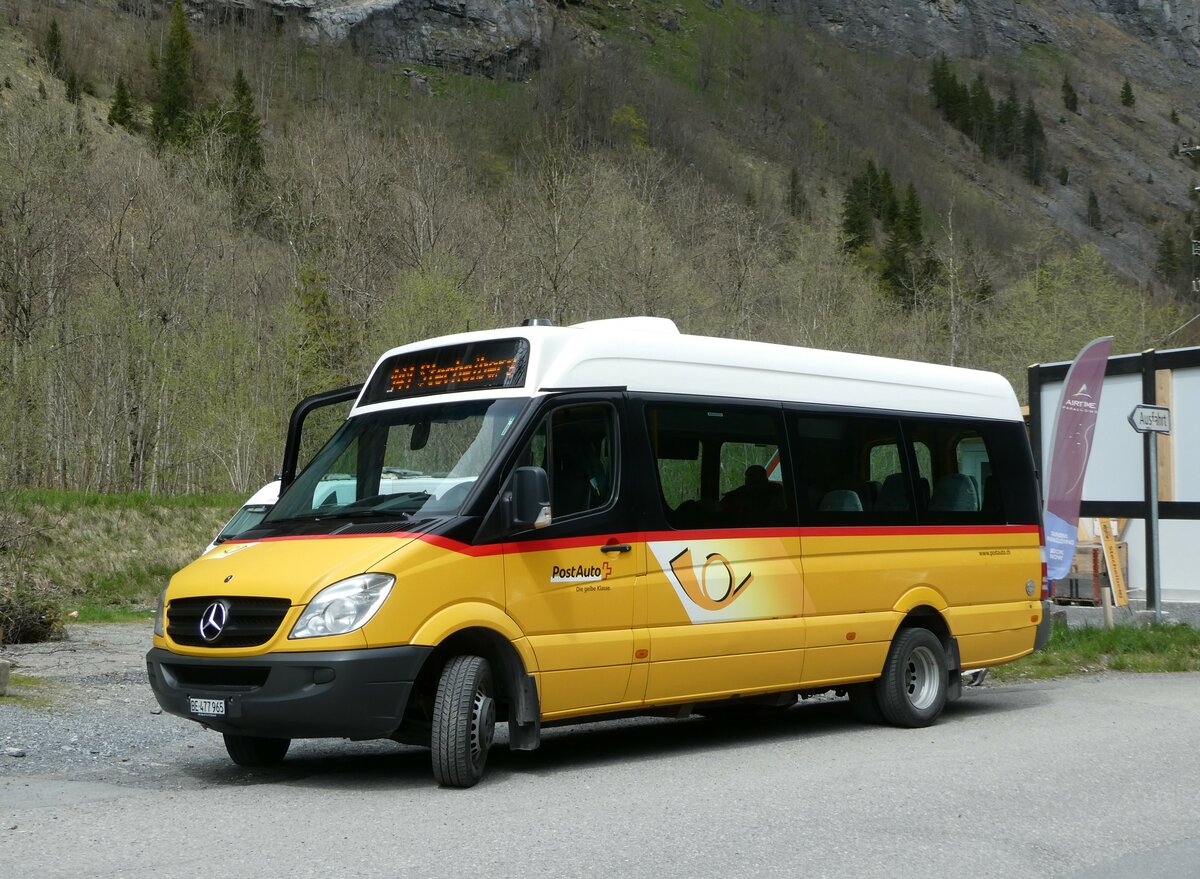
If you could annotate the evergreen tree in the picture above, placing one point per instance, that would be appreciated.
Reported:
(325, 330)
(1093, 210)
(910, 222)
(174, 102)
(120, 112)
(889, 205)
(871, 177)
(1174, 116)
(951, 96)
(1127, 98)
(1008, 125)
(244, 150)
(52, 48)
(981, 117)
(1167, 265)
(939, 80)
(857, 228)
(1033, 144)
(904, 262)
(1070, 99)
(896, 260)
(74, 93)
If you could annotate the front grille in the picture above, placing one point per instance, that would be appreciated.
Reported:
(251, 621)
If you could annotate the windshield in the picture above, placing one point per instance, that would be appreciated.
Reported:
(400, 462)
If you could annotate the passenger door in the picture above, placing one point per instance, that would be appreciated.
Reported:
(724, 588)
(860, 550)
(571, 585)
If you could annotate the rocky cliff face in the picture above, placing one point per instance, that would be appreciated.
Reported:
(974, 28)
(505, 37)
(499, 38)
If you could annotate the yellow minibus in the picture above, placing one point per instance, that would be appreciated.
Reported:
(543, 525)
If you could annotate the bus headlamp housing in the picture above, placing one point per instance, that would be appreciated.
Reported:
(343, 607)
(160, 613)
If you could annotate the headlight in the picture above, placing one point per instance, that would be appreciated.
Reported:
(160, 613)
(344, 606)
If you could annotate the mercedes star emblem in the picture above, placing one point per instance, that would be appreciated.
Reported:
(212, 621)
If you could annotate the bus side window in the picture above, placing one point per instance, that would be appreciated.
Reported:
(576, 447)
(956, 458)
(579, 455)
(720, 467)
(851, 470)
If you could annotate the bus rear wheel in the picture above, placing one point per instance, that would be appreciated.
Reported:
(256, 751)
(912, 689)
(464, 721)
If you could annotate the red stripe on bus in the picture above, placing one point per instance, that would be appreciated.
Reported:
(592, 540)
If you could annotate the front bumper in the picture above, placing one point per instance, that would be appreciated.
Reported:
(357, 694)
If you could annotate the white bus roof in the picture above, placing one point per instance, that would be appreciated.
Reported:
(649, 354)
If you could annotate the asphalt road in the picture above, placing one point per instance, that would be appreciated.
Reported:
(1083, 777)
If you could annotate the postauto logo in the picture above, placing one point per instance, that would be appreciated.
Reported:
(580, 573)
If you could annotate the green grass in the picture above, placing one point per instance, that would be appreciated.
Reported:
(1124, 648)
(673, 52)
(74, 501)
(29, 692)
(1045, 62)
(100, 553)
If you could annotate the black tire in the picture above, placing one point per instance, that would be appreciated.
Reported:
(464, 721)
(912, 689)
(864, 702)
(256, 751)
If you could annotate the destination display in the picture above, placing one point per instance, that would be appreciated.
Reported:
(474, 366)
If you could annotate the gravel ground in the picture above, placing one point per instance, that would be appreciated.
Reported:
(90, 709)
(82, 709)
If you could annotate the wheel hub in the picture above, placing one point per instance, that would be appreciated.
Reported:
(921, 678)
(483, 725)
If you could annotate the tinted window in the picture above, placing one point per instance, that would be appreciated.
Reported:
(720, 466)
(576, 446)
(850, 470)
(977, 472)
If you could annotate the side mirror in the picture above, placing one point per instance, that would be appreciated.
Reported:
(529, 498)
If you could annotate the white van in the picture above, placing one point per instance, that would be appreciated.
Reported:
(248, 515)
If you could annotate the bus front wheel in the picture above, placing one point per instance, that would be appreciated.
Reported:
(464, 721)
(912, 689)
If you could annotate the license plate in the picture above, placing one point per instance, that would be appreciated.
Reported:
(207, 707)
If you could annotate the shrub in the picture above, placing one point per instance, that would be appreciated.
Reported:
(30, 609)
(29, 612)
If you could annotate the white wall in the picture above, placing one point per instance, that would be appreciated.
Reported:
(1115, 474)
(1115, 468)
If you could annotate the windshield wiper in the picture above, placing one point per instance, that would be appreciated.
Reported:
(375, 513)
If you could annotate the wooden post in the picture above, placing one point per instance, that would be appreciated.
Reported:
(1164, 388)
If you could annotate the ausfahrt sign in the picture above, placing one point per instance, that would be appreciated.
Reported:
(1150, 419)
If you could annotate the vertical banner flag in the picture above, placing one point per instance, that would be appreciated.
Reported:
(1069, 451)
